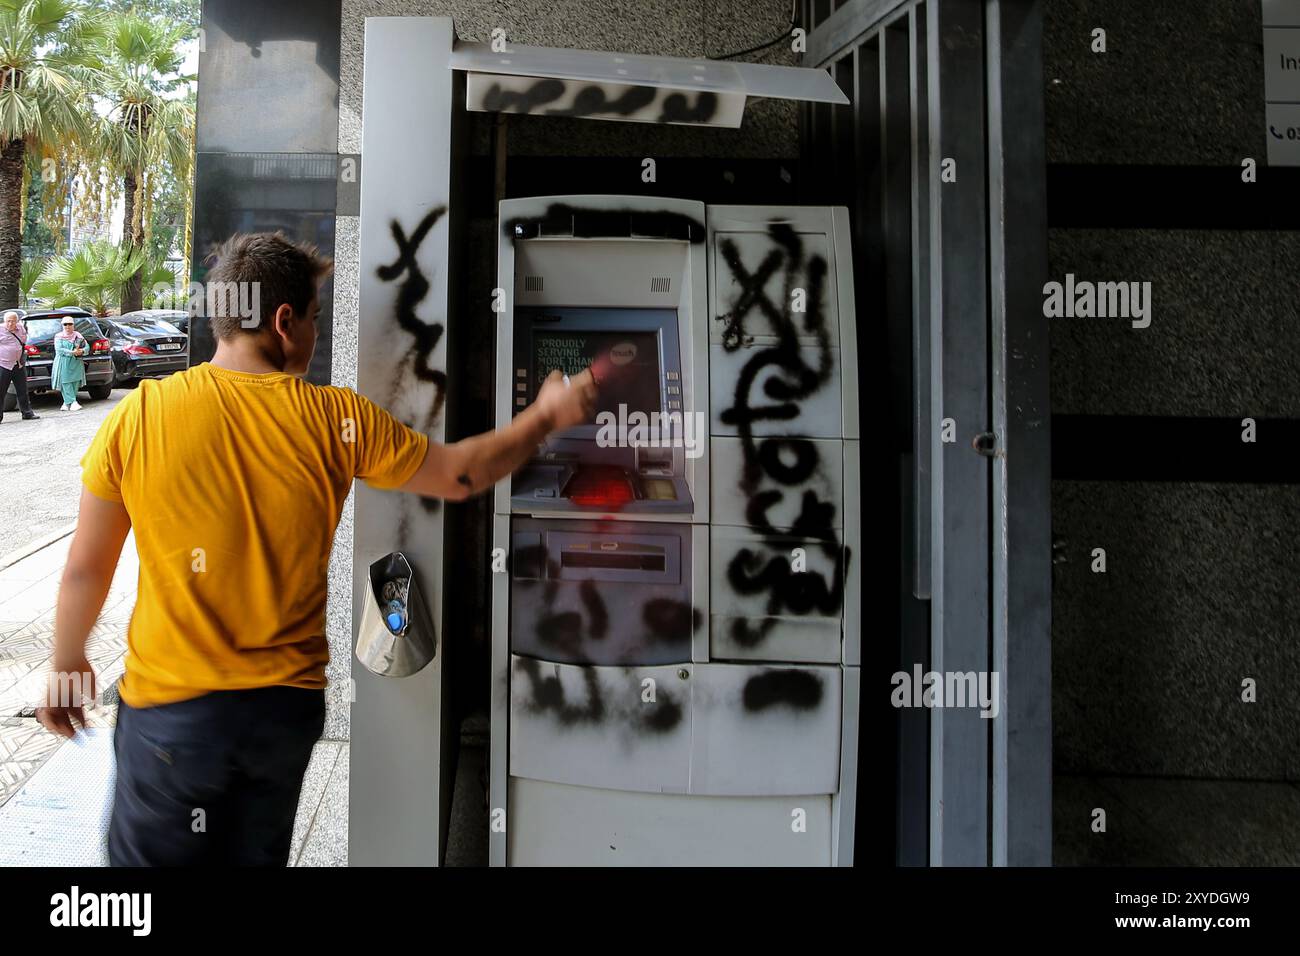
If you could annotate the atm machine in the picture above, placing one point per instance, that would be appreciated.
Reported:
(675, 621)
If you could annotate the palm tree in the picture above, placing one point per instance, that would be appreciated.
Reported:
(31, 271)
(159, 282)
(135, 62)
(93, 276)
(41, 104)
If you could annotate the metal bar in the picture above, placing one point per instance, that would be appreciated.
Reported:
(922, 418)
(499, 705)
(821, 11)
(403, 742)
(842, 183)
(905, 63)
(1022, 588)
(829, 36)
(960, 534)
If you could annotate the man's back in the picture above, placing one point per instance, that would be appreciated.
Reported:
(234, 482)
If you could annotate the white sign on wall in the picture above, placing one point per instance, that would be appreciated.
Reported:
(1282, 81)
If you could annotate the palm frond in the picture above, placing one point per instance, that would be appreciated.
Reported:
(93, 275)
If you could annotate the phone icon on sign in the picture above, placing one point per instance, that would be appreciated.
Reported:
(1275, 132)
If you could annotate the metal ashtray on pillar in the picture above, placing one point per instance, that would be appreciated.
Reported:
(396, 637)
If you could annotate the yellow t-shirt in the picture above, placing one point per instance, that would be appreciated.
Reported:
(234, 482)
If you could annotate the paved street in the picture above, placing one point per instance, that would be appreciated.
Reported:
(40, 467)
(27, 594)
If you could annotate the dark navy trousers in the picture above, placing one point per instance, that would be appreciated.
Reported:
(213, 780)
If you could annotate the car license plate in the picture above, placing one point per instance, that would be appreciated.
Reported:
(168, 346)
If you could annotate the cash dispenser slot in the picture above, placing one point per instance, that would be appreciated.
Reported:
(607, 593)
(613, 559)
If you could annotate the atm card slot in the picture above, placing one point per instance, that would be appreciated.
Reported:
(634, 558)
(613, 559)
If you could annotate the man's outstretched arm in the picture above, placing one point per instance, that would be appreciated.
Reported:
(102, 527)
(465, 468)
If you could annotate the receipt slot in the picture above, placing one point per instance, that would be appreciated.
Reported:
(601, 593)
(395, 637)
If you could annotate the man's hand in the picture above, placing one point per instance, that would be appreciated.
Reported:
(102, 527)
(69, 688)
(563, 406)
(473, 465)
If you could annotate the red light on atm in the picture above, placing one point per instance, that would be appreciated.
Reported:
(603, 494)
(599, 487)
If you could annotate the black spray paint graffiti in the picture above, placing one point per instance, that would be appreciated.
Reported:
(411, 293)
(577, 636)
(546, 696)
(595, 100)
(785, 461)
(427, 335)
(589, 223)
(679, 109)
(796, 688)
(669, 620)
(539, 94)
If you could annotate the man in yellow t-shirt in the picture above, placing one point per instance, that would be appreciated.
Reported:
(232, 475)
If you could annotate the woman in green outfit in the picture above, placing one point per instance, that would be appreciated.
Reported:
(69, 373)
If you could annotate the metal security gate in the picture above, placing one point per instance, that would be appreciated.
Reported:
(940, 158)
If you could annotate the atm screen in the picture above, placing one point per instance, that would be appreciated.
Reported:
(627, 365)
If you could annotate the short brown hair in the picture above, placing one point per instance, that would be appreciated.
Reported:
(280, 271)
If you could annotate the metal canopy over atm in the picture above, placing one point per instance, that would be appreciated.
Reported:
(629, 87)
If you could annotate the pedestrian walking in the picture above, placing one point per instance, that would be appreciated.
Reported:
(13, 364)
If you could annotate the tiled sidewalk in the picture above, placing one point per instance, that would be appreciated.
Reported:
(28, 590)
(54, 793)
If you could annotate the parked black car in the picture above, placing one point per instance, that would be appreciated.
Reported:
(42, 326)
(145, 345)
(177, 317)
